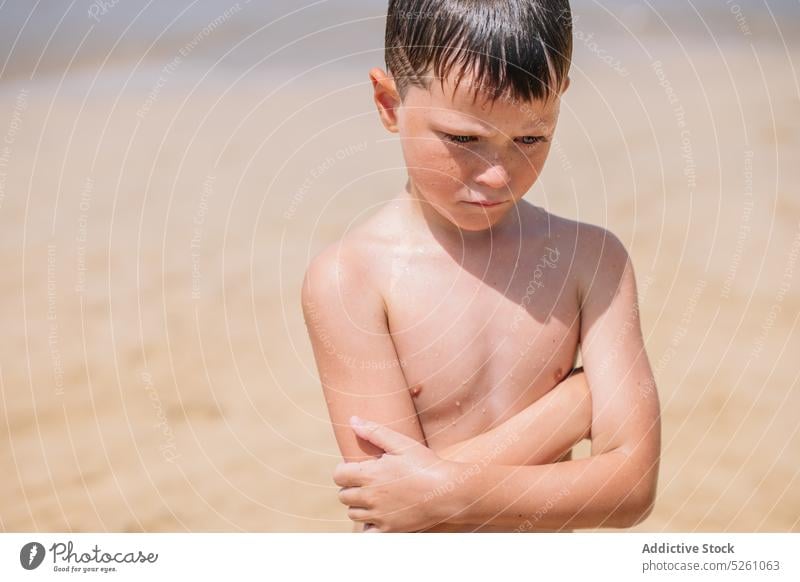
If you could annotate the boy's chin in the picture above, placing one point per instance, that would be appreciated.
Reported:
(478, 224)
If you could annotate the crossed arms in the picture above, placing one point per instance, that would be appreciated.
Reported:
(391, 479)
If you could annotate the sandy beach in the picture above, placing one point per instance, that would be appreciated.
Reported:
(156, 222)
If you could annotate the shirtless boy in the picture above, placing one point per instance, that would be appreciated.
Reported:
(448, 323)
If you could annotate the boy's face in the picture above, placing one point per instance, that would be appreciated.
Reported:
(471, 162)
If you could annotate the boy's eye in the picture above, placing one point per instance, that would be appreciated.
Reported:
(462, 139)
(532, 139)
(527, 140)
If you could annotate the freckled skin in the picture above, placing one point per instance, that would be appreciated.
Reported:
(477, 299)
(485, 318)
(482, 303)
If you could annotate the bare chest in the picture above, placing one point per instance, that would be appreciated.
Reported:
(479, 341)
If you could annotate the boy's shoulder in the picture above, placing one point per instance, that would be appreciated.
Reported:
(593, 249)
(355, 261)
(589, 242)
(349, 262)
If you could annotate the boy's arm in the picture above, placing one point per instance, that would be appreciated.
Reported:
(354, 352)
(360, 376)
(541, 433)
(616, 486)
(613, 488)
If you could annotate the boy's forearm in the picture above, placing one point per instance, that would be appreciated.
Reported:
(541, 433)
(607, 490)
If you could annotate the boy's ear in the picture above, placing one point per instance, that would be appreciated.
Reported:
(566, 85)
(386, 98)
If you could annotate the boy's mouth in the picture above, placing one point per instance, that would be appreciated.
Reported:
(486, 204)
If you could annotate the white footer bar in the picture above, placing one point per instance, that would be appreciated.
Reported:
(401, 557)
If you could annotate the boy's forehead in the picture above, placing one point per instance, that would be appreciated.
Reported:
(469, 101)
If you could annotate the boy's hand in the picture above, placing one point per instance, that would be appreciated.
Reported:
(402, 491)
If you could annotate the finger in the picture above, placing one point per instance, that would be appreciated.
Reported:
(383, 437)
(360, 514)
(353, 497)
(352, 474)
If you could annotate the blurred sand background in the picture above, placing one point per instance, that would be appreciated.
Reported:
(166, 172)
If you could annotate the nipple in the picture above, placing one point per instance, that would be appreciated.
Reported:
(415, 390)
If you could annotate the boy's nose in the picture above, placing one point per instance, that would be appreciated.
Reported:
(494, 176)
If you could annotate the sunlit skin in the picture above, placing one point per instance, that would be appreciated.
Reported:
(459, 151)
(450, 328)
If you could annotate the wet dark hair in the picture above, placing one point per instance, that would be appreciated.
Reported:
(520, 49)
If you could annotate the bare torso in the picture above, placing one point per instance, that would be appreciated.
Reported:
(480, 334)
